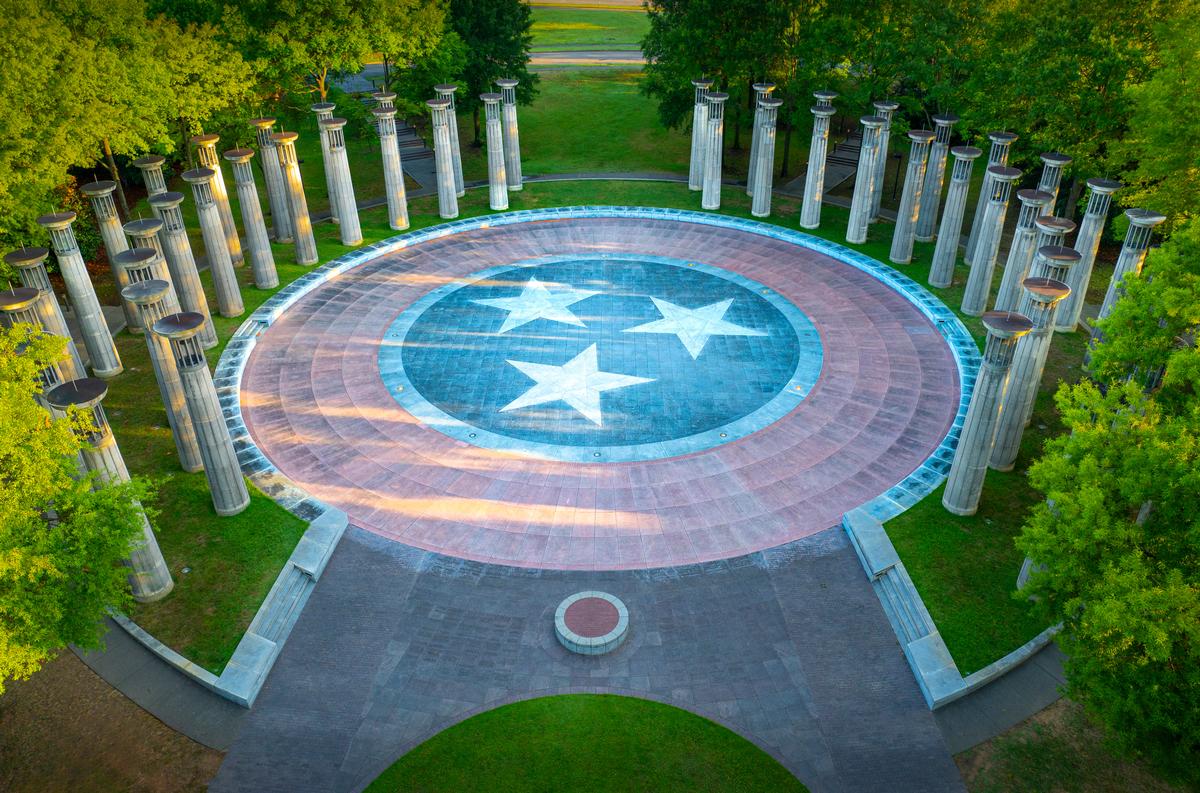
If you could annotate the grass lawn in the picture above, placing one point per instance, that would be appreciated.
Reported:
(588, 29)
(586, 742)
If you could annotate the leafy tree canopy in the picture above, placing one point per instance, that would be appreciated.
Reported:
(497, 37)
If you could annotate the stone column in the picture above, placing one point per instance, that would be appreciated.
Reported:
(393, 169)
(258, 245)
(884, 109)
(1133, 254)
(30, 264)
(935, 177)
(324, 111)
(102, 353)
(945, 253)
(351, 230)
(302, 233)
(221, 467)
(384, 100)
(699, 135)
(497, 186)
(149, 576)
(1021, 249)
(177, 250)
(206, 154)
(446, 91)
(277, 191)
(20, 305)
(979, 282)
(825, 98)
(512, 140)
(152, 174)
(156, 299)
(229, 295)
(714, 151)
(910, 200)
(997, 155)
(764, 160)
(105, 209)
(444, 161)
(814, 180)
(1087, 242)
(965, 483)
(762, 91)
(1053, 165)
(1042, 295)
(137, 264)
(864, 180)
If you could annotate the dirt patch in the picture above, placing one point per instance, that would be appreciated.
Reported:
(66, 729)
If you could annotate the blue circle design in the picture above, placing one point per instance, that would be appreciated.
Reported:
(452, 361)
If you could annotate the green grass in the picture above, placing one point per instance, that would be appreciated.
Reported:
(596, 743)
(588, 29)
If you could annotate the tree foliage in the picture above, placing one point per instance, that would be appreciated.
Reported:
(61, 540)
(497, 37)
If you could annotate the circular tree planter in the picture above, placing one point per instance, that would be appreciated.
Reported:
(591, 623)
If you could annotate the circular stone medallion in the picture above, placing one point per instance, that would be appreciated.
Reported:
(601, 358)
(591, 623)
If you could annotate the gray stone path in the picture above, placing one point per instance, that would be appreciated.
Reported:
(788, 647)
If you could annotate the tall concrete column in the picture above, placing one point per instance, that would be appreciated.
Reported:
(444, 161)
(277, 191)
(102, 353)
(497, 186)
(20, 306)
(156, 299)
(302, 233)
(884, 109)
(762, 91)
(324, 111)
(1021, 249)
(512, 139)
(1042, 295)
(864, 180)
(446, 91)
(983, 266)
(699, 134)
(393, 169)
(814, 180)
(229, 294)
(1053, 165)
(1133, 254)
(206, 155)
(1087, 242)
(384, 100)
(181, 263)
(945, 253)
(351, 230)
(714, 151)
(997, 155)
(967, 472)
(221, 468)
(764, 160)
(149, 577)
(258, 245)
(152, 174)
(910, 200)
(935, 177)
(105, 209)
(30, 264)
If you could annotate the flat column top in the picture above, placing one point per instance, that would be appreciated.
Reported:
(507, 82)
(206, 140)
(490, 98)
(383, 112)
(703, 82)
(285, 137)
(332, 123)
(149, 161)
(143, 227)
(1046, 290)
(167, 200)
(144, 293)
(57, 220)
(1054, 225)
(718, 97)
(770, 102)
(1059, 253)
(764, 87)
(19, 298)
(873, 121)
(438, 104)
(826, 96)
(198, 175)
(823, 110)
(134, 257)
(183, 325)
(103, 187)
(1034, 197)
(1006, 324)
(322, 107)
(1101, 185)
(1055, 158)
(1004, 173)
(384, 96)
(84, 392)
(1142, 217)
(266, 122)
(966, 152)
(239, 155)
(26, 257)
(445, 88)
(886, 105)
(1002, 137)
(921, 135)
(946, 119)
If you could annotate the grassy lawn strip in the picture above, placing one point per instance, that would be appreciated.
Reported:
(586, 742)
(556, 29)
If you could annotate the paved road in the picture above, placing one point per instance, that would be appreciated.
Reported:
(587, 58)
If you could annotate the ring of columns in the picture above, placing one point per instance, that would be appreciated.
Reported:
(877, 429)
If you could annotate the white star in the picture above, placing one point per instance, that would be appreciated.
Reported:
(538, 302)
(578, 382)
(694, 326)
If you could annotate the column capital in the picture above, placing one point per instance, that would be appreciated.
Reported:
(1144, 218)
(508, 82)
(490, 98)
(945, 119)
(1044, 292)
(208, 141)
(771, 104)
(966, 152)
(20, 298)
(874, 122)
(331, 123)
(239, 155)
(825, 96)
(703, 82)
(823, 111)
(57, 220)
(322, 108)
(885, 108)
(1060, 257)
(86, 392)
(1049, 224)
(445, 88)
(143, 227)
(1003, 139)
(24, 258)
(266, 122)
(1055, 158)
(1004, 174)
(149, 162)
(717, 97)
(180, 326)
(919, 136)
(198, 175)
(1101, 185)
(168, 200)
(96, 189)
(1006, 324)
(285, 138)
(384, 97)
(1034, 198)
(146, 293)
(438, 103)
(387, 112)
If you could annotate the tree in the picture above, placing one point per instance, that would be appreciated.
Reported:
(306, 42)
(497, 37)
(444, 64)
(62, 536)
(407, 31)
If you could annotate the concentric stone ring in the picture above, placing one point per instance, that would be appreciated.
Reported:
(591, 623)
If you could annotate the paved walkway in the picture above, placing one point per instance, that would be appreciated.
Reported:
(584, 58)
